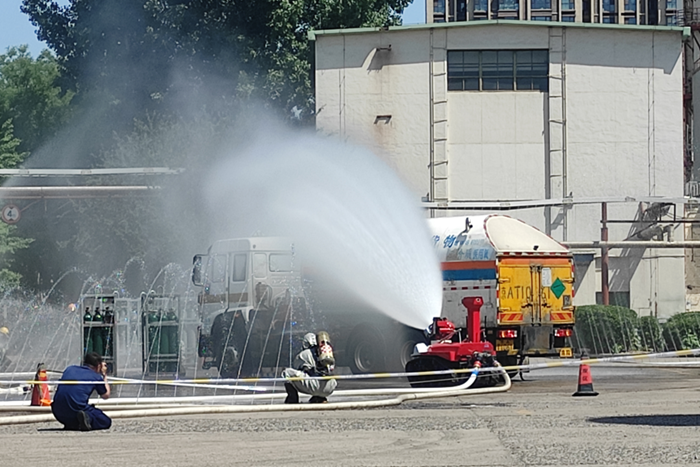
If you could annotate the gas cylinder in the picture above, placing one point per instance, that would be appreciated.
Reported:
(164, 334)
(87, 331)
(325, 350)
(108, 332)
(173, 335)
(153, 333)
(97, 333)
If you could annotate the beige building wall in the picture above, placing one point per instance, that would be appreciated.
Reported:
(610, 126)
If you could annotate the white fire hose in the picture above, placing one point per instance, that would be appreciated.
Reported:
(412, 394)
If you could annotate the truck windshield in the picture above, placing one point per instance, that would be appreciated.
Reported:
(218, 269)
(259, 263)
(280, 262)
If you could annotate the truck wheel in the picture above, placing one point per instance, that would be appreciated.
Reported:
(229, 363)
(366, 352)
(230, 339)
(511, 360)
(402, 348)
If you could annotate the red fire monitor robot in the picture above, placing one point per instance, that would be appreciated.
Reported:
(444, 354)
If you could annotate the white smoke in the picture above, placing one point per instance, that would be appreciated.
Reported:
(345, 209)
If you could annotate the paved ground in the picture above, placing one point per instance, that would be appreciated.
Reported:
(641, 417)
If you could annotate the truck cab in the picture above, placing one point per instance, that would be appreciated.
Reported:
(257, 300)
(251, 304)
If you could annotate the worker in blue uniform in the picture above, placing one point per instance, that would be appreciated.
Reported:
(70, 403)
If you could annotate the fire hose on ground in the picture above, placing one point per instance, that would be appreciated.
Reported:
(414, 394)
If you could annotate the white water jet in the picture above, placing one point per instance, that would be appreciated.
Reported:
(347, 212)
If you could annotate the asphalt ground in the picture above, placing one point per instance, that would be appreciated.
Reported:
(642, 416)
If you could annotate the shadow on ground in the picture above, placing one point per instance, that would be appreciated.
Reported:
(652, 420)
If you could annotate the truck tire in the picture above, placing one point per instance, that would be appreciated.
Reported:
(511, 360)
(366, 352)
(402, 348)
(229, 344)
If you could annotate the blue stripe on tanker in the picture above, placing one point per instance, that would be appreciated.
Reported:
(469, 275)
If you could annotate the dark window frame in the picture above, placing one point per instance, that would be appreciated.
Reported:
(498, 70)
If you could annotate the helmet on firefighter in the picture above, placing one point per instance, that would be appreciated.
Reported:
(309, 340)
(4, 330)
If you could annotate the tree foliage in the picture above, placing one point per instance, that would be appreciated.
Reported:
(10, 244)
(31, 99)
(10, 157)
(143, 52)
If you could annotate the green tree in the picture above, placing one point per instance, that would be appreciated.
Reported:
(10, 157)
(30, 97)
(10, 244)
(229, 50)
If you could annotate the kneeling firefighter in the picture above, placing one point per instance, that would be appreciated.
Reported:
(315, 360)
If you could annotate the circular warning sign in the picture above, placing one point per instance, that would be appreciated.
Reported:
(10, 214)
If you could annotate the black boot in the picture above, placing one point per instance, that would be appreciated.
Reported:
(318, 400)
(292, 394)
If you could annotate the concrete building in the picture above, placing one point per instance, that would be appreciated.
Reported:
(554, 119)
(651, 12)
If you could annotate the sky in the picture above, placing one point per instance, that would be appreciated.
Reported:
(15, 28)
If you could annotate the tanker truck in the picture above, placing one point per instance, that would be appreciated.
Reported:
(257, 300)
(523, 277)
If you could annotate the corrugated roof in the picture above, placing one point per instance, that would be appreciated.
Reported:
(685, 31)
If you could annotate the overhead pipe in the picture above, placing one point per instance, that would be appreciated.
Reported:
(631, 244)
(49, 192)
(604, 269)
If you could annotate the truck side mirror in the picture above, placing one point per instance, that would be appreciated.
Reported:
(197, 262)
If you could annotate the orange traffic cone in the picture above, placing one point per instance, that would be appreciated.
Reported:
(40, 391)
(585, 380)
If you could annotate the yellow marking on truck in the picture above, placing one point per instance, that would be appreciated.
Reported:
(504, 344)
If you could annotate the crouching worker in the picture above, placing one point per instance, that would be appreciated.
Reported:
(70, 403)
(315, 360)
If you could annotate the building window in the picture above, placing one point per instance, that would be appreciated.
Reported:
(541, 18)
(439, 7)
(513, 5)
(631, 20)
(568, 18)
(541, 4)
(609, 6)
(568, 5)
(671, 20)
(498, 70)
(439, 11)
(631, 5)
(671, 4)
(614, 298)
(481, 5)
(609, 19)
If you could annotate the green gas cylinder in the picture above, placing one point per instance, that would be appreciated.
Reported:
(98, 344)
(164, 334)
(87, 331)
(108, 332)
(153, 334)
(173, 337)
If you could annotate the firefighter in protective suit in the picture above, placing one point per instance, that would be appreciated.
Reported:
(314, 360)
